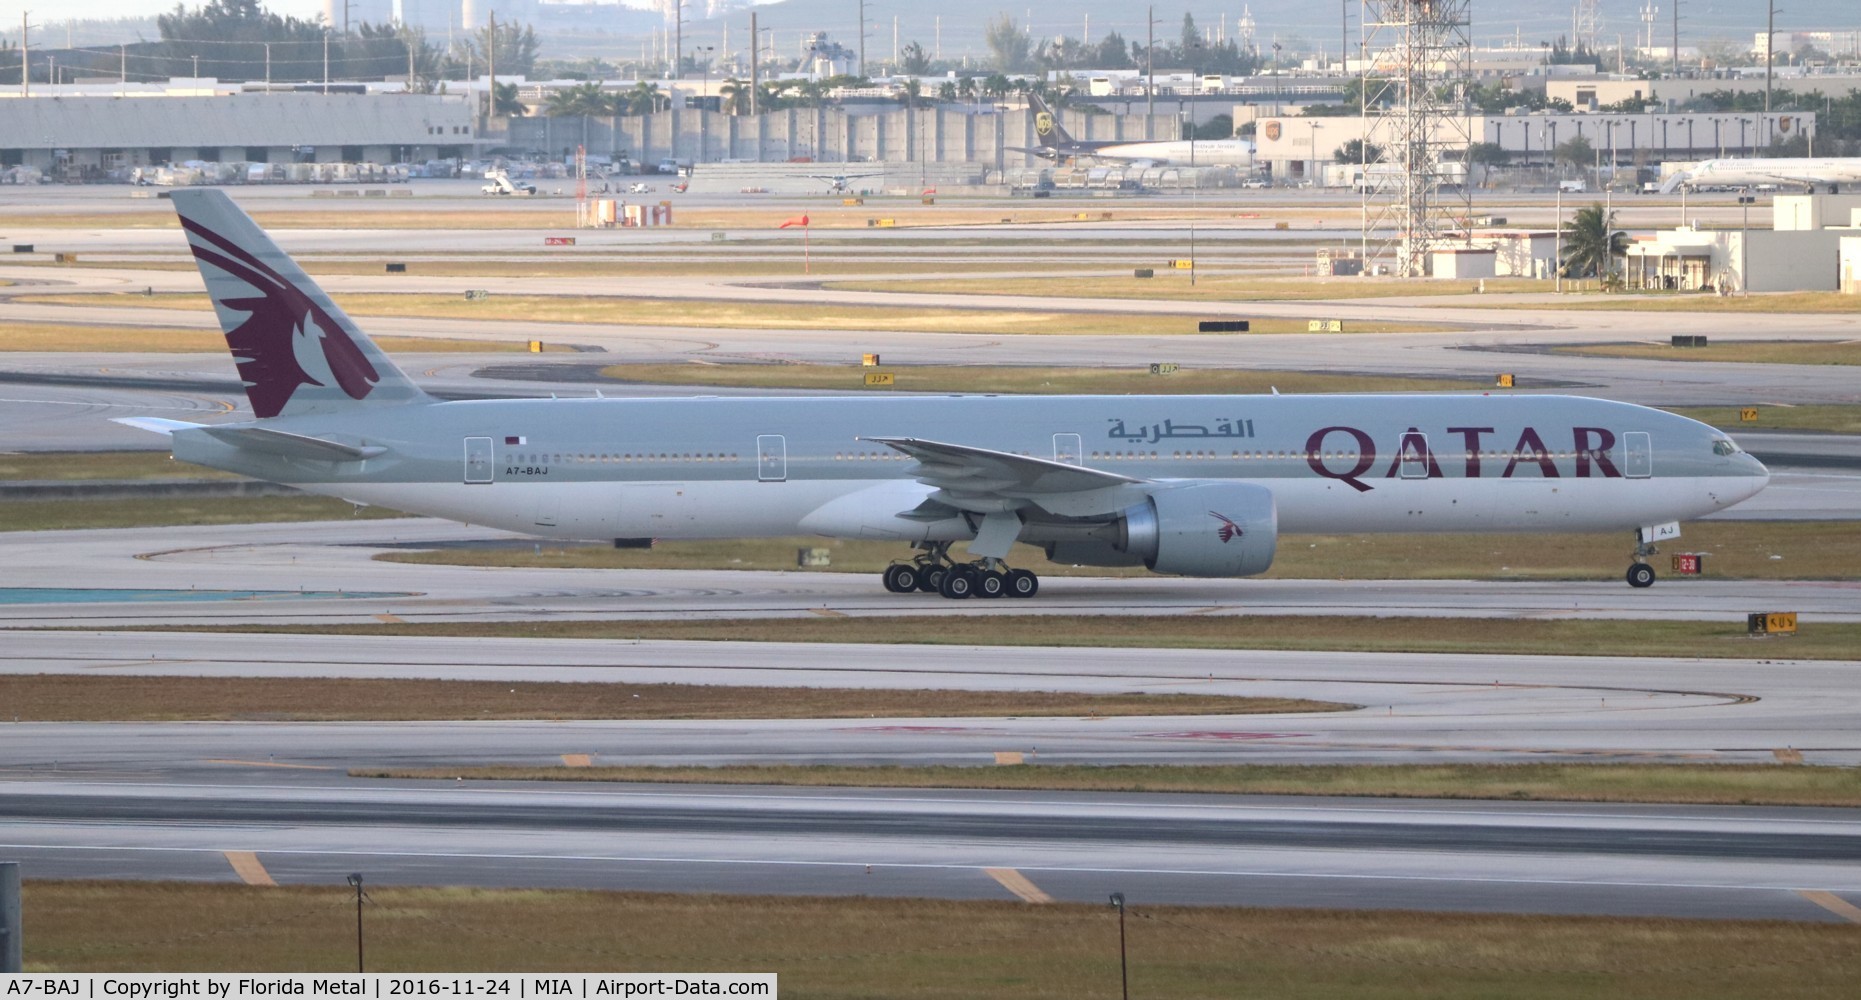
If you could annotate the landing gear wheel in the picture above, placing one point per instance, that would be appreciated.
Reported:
(1022, 583)
(959, 583)
(930, 580)
(990, 583)
(1641, 575)
(901, 578)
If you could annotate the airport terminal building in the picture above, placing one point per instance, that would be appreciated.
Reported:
(81, 133)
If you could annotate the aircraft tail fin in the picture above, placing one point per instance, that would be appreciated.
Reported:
(1047, 127)
(296, 350)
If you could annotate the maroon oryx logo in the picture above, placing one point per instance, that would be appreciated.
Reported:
(286, 340)
(1228, 531)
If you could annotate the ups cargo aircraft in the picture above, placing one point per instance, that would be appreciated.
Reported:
(1057, 144)
(1189, 485)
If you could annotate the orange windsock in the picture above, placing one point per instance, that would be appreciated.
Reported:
(799, 220)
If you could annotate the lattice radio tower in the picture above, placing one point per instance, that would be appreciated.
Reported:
(1416, 180)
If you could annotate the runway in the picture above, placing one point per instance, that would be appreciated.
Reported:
(1511, 857)
(149, 800)
(338, 556)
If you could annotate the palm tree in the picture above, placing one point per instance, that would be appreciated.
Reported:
(1592, 243)
(504, 100)
(946, 91)
(644, 99)
(911, 94)
(736, 95)
(584, 100)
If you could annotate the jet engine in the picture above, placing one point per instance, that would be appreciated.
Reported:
(1204, 529)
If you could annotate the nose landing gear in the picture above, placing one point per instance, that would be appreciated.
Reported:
(933, 571)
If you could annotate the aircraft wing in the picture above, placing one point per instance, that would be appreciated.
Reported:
(983, 480)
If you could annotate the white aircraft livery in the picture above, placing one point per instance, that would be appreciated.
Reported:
(1829, 172)
(1190, 485)
(1057, 144)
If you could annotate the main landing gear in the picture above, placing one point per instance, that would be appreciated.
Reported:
(933, 571)
(1640, 574)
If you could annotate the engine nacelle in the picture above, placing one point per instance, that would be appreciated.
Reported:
(1204, 529)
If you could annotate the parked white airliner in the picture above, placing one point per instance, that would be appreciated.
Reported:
(1189, 485)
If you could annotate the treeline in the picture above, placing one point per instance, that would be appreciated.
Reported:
(241, 41)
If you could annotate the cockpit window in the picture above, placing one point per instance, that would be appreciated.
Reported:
(1721, 446)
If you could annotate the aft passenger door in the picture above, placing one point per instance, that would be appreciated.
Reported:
(478, 460)
(1637, 455)
(771, 458)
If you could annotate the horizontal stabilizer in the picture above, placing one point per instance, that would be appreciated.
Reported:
(155, 425)
(293, 445)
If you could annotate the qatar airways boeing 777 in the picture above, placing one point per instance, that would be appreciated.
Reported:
(1188, 485)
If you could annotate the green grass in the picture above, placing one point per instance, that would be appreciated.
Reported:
(1676, 784)
(61, 515)
(634, 311)
(65, 698)
(875, 948)
(1764, 352)
(1805, 550)
(1834, 418)
(1488, 636)
(176, 340)
(1763, 302)
(83, 465)
(980, 378)
(1218, 286)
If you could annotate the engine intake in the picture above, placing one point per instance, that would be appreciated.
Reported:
(1204, 529)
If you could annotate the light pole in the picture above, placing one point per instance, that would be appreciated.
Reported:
(1124, 966)
(1313, 176)
(1557, 250)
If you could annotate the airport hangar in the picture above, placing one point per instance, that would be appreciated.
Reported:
(85, 131)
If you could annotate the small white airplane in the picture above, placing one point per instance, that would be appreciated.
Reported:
(1809, 173)
(842, 183)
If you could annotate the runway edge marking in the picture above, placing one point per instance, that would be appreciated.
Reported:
(1018, 884)
(1833, 903)
(248, 867)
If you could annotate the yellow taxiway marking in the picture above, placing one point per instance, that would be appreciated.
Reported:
(246, 865)
(827, 612)
(1010, 757)
(271, 763)
(1017, 883)
(1833, 903)
(389, 619)
(578, 760)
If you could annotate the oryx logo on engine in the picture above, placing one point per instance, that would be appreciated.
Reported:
(1228, 531)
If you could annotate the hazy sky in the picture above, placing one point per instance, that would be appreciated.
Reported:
(1492, 18)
